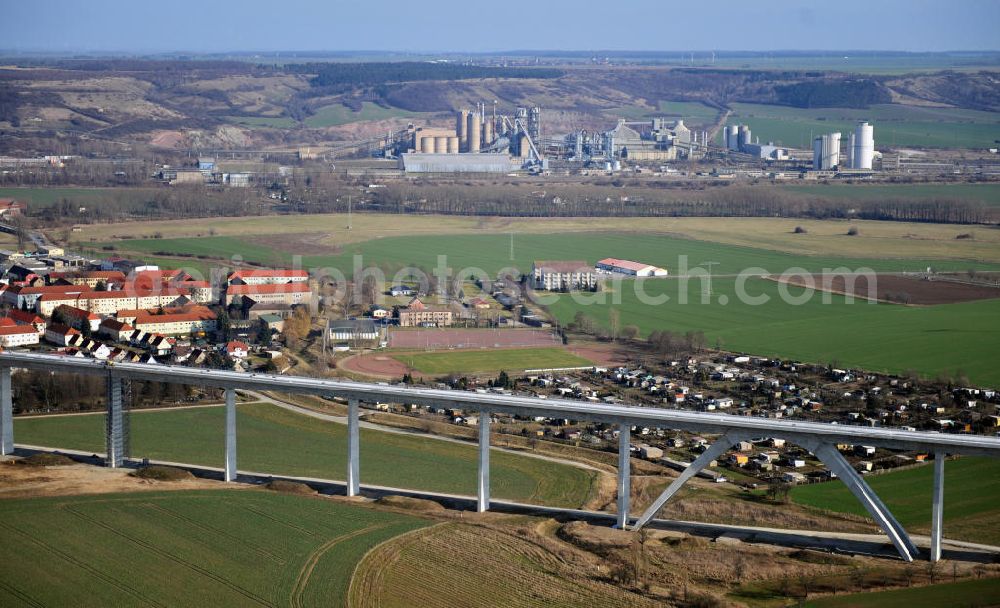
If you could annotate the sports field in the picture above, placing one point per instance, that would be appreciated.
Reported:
(895, 125)
(237, 547)
(513, 359)
(950, 339)
(274, 440)
(971, 486)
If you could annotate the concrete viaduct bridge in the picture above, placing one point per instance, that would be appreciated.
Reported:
(819, 438)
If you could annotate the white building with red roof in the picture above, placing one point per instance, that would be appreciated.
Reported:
(17, 335)
(629, 268)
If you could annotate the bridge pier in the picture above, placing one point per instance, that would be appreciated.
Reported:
(624, 486)
(937, 507)
(353, 449)
(6, 413)
(114, 432)
(704, 459)
(483, 501)
(836, 463)
(230, 434)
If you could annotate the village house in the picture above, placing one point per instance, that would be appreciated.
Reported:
(17, 335)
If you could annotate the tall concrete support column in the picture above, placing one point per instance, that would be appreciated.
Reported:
(113, 432)
(714, 451)
(624, 443)
(483, 502)
(230, 434)
(937, 509)
(353, 449)
(836, 462)
(6, 413)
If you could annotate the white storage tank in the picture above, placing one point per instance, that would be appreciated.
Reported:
(864, 146)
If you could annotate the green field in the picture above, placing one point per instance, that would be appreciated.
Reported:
(985, 193)
(88, 196)
(964, 594)
(971, 496)
(953, 339)
(491, 252)
(491, 360)
(180, 548)
(274, 122)
(692, 113)
(274, 440)
(945, 339)
(895, 125)
(338, 114)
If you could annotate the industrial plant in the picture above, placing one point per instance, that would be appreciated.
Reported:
(485, 140)
(481, 142)
(860, 150)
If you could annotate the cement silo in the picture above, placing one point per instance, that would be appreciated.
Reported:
(732, 137)
(488, 133)
(743, 138)
(826, 152)
(452, 145)
(863, 149)
(474, 132)
(427, 145)
(462, 125)
(441, 144)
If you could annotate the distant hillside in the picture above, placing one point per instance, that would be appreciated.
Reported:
(103, 105)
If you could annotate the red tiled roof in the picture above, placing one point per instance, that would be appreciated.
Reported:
(562, 267)
(24, 316)
(46, 289)
(145, 318)
(627, 264)
(16, 330)
(277, 273)
(78, 313)
(88, 274)
(261, 289)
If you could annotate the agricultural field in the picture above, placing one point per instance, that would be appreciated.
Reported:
(492, 252)
(237, 547)
(952, 340)
(83, 196)
(474, 361)
(274, 440)
(891, 240)
(985, 193)
(895, 125)
(964, 594)
(971, 486)
(274, 122)
(430, 568)
(338, 114)
(692, 113)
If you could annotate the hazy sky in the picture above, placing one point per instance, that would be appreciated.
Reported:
(449, 25)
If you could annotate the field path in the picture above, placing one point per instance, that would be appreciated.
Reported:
(307, 569)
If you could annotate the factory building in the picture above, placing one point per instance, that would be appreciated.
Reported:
(826, 152)
(479, 143)
(420, 162)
